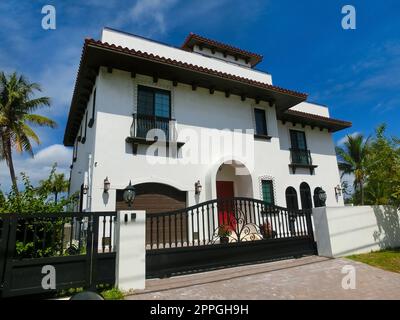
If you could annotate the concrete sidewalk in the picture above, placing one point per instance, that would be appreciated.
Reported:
(306, 278)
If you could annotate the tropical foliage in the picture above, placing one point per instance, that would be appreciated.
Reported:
(17, 104)
(352, 160)
(34, 199)
(383, 170)
(55, 183)
(375, 164)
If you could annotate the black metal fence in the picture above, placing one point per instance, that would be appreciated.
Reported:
(225, 221)
(78, 245)
(223, 232)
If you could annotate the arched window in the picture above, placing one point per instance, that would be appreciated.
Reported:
(291, 199)
(305, 196)
(292, 206)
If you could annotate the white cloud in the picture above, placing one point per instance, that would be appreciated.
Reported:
(37, 168)
(149, 16)
(57, 83)
(344, 139)
(361, 83)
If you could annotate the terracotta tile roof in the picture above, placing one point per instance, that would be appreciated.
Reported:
(76, 113)
(177, 63)
(195, 38)
(317, 120)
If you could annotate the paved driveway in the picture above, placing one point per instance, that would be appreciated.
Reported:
(305, 278)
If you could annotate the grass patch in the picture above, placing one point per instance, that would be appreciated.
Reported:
(388, 259)
(112, 294)
(106, 291)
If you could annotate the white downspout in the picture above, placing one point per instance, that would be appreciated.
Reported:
(89, 184)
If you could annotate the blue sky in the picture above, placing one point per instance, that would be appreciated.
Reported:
(355, 72)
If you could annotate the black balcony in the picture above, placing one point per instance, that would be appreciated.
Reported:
(301, 159)
(165, 131)
(145, 123)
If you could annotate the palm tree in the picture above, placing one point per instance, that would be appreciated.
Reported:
(59, 185)
(352, 159)
(16, 107)
(55, 184)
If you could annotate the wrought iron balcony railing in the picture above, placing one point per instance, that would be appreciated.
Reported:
(141, 131)
(299, 156)
(145, 123)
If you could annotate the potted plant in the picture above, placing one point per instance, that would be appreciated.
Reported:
(266, 230)
(224, 231)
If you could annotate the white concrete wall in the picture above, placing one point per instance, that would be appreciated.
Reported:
(81, 171)
(220, 55)
(342, 231)
(202, 112)
(145, 45)
(312, 108)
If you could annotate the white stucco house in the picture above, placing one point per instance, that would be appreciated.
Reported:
(224, 130)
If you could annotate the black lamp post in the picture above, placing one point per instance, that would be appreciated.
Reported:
(129, 194)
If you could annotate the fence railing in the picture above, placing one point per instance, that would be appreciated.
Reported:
(60, 234)
(225, 221)
(80, 246)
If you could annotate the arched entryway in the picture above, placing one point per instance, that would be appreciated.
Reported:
(233, 179)
(305, 196)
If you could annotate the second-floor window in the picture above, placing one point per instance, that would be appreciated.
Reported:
(261, 122)
(298, 140)
(300, 153)
(153, 110)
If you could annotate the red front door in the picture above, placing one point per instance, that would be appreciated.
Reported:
(226, 215)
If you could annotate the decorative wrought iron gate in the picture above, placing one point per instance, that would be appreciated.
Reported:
(78, 245)
(225, 232)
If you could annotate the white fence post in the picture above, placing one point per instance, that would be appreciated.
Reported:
(131, 250)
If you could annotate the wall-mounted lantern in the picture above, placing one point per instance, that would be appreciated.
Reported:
(85, 189)
(198, 187)
(106, 185)
(129, 194)
(322, 197)
(338, 191)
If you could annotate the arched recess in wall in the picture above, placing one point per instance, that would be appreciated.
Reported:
(153, 198)
(317, 201)
(156, 198)
(305, 196)
(291, 199)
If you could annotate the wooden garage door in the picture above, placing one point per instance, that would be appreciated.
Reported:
(158, 198)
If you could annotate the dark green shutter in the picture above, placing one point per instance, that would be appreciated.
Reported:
(268, 191)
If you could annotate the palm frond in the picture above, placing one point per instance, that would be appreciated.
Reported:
(40, 120)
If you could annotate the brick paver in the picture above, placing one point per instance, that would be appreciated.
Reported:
(305, 278)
